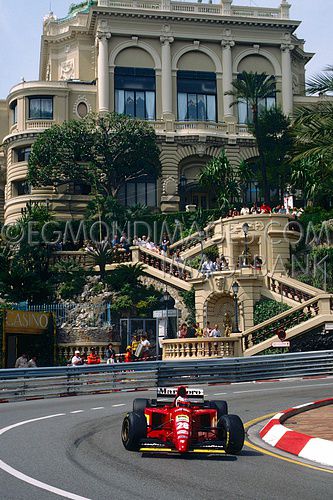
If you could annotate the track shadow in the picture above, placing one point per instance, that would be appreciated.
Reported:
(202, 456)
(251, 453)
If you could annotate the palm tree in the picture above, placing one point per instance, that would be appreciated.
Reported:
(321, 83)
(252, 88)
(102, 253)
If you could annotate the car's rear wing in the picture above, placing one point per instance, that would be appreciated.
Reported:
(168, 394)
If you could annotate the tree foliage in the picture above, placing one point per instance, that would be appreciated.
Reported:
(252, 88)
(266, 309)
(313, 152)
(104, 151)
(130, 295)
(220, 178)
(276, 141)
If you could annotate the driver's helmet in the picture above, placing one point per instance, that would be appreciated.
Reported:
(181, 398)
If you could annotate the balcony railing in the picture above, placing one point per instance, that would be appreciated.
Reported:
(203, 348)
(216, 128)
(39, 124)
(199, 8)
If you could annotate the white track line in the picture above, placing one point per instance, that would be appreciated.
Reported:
(98, 408)
(282, 388)
(30, 480)
(220, 394)
(121, 404)
(77, 411)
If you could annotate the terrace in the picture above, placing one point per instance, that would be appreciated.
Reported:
(218, 8)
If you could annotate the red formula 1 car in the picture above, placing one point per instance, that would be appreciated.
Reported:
(181, 421)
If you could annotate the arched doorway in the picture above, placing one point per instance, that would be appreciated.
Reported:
(190, 192)
(217, 306)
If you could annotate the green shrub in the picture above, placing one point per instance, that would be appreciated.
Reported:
(266, 309)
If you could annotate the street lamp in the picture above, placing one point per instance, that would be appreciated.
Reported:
(245, 228)
(235, 289)
(165, 298)
(201, 235)
(182, 188)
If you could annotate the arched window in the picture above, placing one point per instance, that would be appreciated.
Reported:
(135, 92)
(196, 93)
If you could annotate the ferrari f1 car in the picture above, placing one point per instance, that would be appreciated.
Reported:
(181, 421)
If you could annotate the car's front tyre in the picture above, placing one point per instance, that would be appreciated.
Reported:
(134, 429)
(231, 433)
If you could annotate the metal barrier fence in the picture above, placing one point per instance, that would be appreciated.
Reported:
(31, 383)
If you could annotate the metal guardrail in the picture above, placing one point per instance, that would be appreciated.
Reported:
(31, 383)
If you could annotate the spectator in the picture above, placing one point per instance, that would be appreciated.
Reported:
(230, 213)
(128, 355)
(143, 242)
(22, 361)
(254, 209)
(182, 332)
(265, 209)
(124, 244)
(235, 212)
(32, 363)
(110, 354)
(145, 347)
(275, 210)
(198, 331)
(191, 331)
(282, 210)
(257, 262)
(76, 359)
(245, 210)
(207, 330)
(165, 243)
(215, 332)
(115, 242)
(136, 241)
(93, 358)
(134, 344)
(224, 263)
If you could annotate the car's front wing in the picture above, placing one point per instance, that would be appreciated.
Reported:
(156, 446)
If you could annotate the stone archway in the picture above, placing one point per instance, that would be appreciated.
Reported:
(216, 306)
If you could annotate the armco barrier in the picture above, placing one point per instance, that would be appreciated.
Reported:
(16, 384)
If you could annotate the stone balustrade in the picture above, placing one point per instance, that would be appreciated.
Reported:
(165, 264)
(295, 292)
(221, 9)
(286, 320)
(202, 348)
(65, 351)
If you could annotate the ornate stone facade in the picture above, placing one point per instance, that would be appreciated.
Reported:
(80, 55)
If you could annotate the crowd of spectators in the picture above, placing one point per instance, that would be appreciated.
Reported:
(264, 208)
(195, 331)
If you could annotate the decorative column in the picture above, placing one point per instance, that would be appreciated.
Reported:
(284, 9)
(226, 7)
(227, 78)
(166, 76)
(287, 78)
(103, 84)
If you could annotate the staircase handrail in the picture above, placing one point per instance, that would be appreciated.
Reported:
(168, 265)
(195, 237)
(290, 288)
(287, 319)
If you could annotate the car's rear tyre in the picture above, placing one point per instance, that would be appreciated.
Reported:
(140, 404)
(231, 433)
(220, 406)
(134, 429)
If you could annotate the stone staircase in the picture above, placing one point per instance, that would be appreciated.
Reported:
(269, 235)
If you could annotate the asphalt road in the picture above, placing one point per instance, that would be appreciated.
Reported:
(78, 449)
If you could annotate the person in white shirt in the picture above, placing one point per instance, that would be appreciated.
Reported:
(76, 359)
(244, 210)
(215, 332)
(145, 346)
